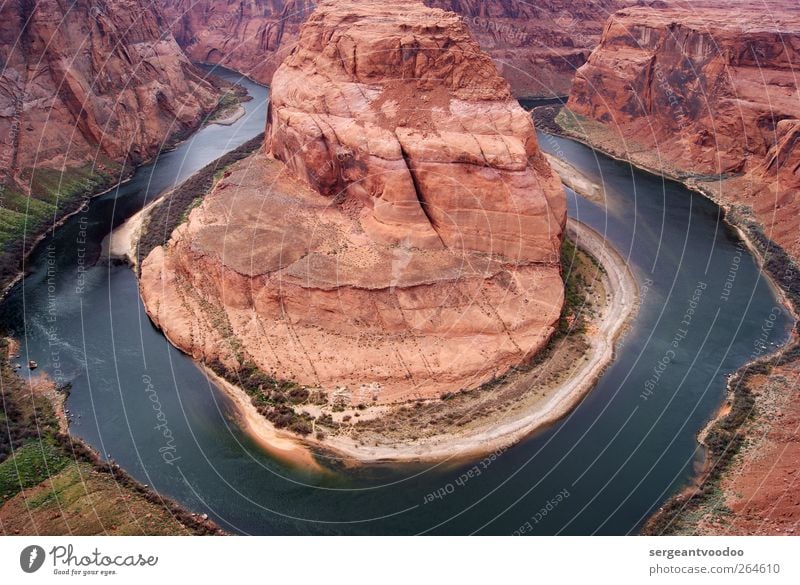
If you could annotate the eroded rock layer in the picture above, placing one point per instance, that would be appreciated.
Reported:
(410, 243)
(705, 93)
(710, 94)
(426, 145)
(536, 45)
(87, 82)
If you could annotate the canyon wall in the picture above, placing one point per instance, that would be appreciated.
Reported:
(399, 236)
(536, 45)
(87, 84)
(706, 93)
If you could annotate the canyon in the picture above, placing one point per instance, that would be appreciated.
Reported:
(87, 91)
(707, 95)
(398, 238)
(385, 269)
(536, 46)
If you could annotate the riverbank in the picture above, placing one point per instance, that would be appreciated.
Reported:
(48, 478)
(152, 225)
(226, 112)
(231, 116)
(122, 505)
(713, 503)
(498, 433)
(282, 445)
(479, 421)
(576, 180)
(75, 206)
(122, 242)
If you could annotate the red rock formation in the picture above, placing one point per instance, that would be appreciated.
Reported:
(250, 36)
(772, 189)
(429, 143)
(86, 82)
(536, 45)
(706, 91)
(426, 257)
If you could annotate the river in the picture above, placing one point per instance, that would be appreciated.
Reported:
(603, 469)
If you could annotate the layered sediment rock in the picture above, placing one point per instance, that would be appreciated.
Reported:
(88, 83)
(410, 243)
(705, 93)
(710, 94)
(536, 45)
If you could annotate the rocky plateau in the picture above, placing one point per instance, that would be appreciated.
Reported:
(708, 94)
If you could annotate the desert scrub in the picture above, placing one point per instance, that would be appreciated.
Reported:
(25, 415)
(61, 476)
(229, 100)
(274, 399)
(574, 264)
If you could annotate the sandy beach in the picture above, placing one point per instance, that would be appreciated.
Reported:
(230, 117)
(123, 241)
(623, 292)
(280, 444)
(575, 179)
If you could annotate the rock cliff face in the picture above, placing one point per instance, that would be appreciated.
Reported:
(702, 93)
(410, 243)
(88, 82)
(427, 145)
(536, 45)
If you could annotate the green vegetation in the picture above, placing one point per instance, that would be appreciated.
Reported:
(67, 487)
(227, 102)
(53, 194)
(572, 322)
(571, 122)
(279, 400)
(194, 204)
(276, 400)
(575, 300)
(25, 420)
(231, 96)
(30, 465)
(80, 500)
(777, 263)
(726, 436)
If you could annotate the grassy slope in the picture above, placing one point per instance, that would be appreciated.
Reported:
(51, 483)
(54, 194)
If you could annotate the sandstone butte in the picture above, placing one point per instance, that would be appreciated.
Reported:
(536, 45)
(400, 235)
(709, 94)
(88, 84)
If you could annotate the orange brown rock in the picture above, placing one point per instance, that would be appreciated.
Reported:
(705, 93)
(410, 243)
(91, 82)
(708, 93)
(536, 45)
